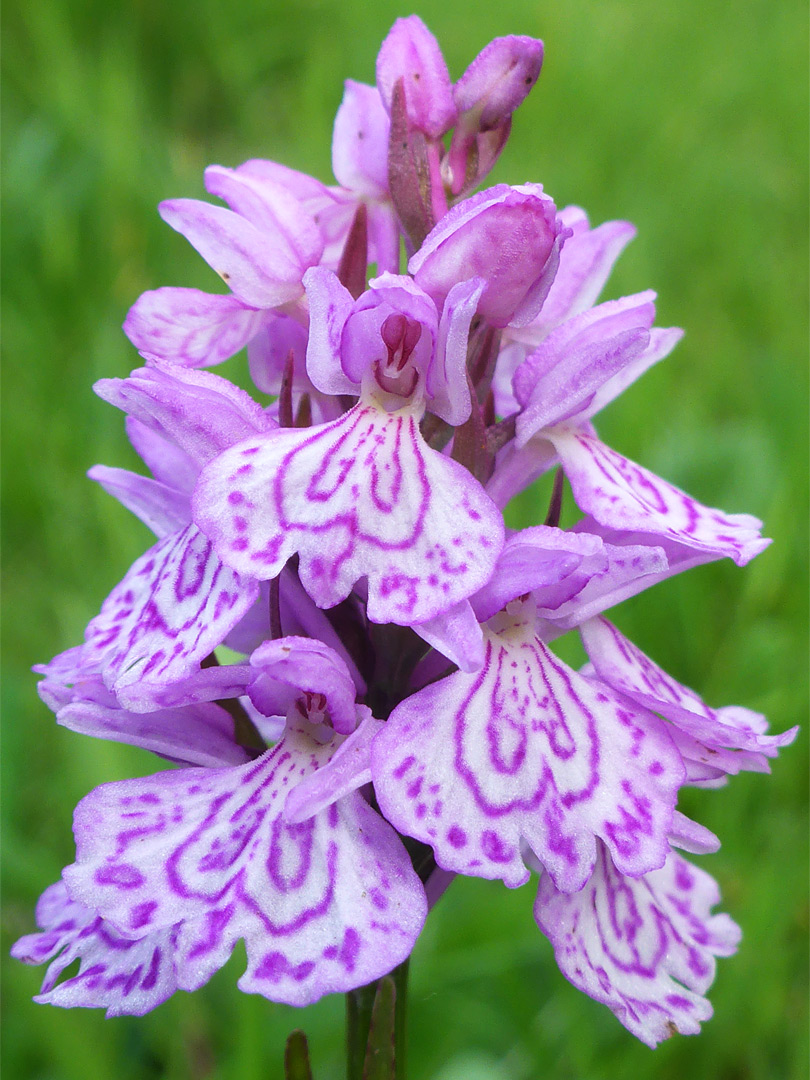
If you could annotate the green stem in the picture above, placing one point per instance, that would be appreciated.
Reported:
(359, 1005)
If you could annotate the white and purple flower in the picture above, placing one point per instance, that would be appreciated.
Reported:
(395, 713)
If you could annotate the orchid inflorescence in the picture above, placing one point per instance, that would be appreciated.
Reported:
(335, 637)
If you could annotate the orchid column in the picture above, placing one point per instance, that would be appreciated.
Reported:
(335, 640)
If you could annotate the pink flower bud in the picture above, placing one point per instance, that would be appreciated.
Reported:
(411, 53)
(498, 80)
(509, 237)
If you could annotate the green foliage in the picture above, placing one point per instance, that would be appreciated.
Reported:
(689, 119)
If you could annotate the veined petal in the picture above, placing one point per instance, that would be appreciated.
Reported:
(198, 411)
(646, 948)
(260, 274)
(561, 377)
(174, 606)
(323, 906)
(127, 977)
(162, 509)
(360, 496)
(288, 229)
(625, 667)
(527, 751)
(191, 327)
(623, 495)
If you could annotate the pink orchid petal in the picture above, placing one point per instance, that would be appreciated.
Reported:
(586, 262)
(625, 667)
(167, 462)
(456, 634)
(690, 836)
(646, 948)
(535, 558)
(383, 238)
(323, 906)
(127, 977)
(173, 607)
(214, 683)
(268, 351)
(623, 495)
(447, 377)
(193, 735)
(361, 496)
(191, 327)
(260, 274)
(499, 78)
(388, 294)
(286, 226)
(360, 141)
(330, 304)
(527, 751)
(162, 509)
(287, 667)
(604, 580)
(508, 237)
(516, 468)
(564, 373)
(199, 412)
(662, 342)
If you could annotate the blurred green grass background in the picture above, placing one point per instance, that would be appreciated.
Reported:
(690, 119)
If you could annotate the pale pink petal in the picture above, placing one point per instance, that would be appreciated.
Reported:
(193, 735)
(586, 262)
(190, 327)
(330, 304)
(348, 770)
(199, 412)
(662, 342)
(127, 977)
(323, 906)
(411, 53)
(288, 667)
(447, 382)
(175, 605)
(646, 948)
(527, 751)
(286, 226)
(361, 496)
(456, 634)
(625, 667)
(260, 274)
(537, 558)
(167, 462)
(623, 495)
(162, 509)
(561, 377)
(360, 141)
